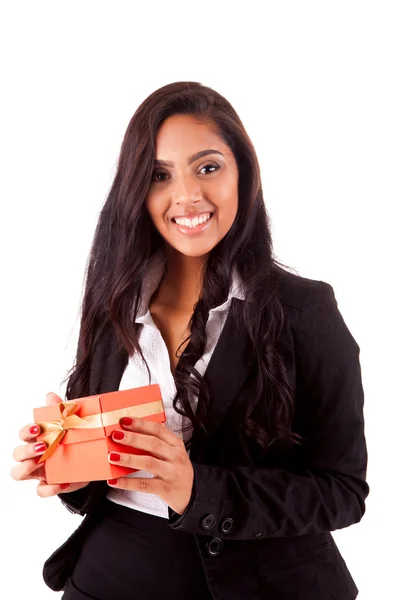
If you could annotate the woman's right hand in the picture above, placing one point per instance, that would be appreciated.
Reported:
(28, 455)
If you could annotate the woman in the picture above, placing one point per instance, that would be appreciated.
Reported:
(263, 453)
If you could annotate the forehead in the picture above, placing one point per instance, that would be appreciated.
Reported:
(183, 134)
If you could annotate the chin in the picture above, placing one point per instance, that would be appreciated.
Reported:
(192, 252)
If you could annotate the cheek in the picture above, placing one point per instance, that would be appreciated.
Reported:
(155, 208)
(227, 202)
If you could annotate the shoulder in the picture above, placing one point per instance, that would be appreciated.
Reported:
(298, 292)
(311, 307)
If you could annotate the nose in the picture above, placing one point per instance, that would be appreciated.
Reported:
(185, 191)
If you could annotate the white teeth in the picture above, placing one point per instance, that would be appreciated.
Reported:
(193, 222)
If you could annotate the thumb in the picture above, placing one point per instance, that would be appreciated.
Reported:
(52, 398)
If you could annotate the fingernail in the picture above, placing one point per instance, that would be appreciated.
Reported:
(64, 486)
(34, 430)
(115, 457)
(40, 447)
(112, 481)
(118, 435)
(126, 421)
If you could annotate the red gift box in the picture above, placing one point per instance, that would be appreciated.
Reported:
(78, 432)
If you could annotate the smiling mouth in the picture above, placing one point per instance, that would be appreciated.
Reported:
(194, 222)
(186, 226)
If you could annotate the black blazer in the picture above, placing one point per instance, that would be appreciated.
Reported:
(262, 521)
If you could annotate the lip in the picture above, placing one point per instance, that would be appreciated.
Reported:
(192, 215)
(193, 230)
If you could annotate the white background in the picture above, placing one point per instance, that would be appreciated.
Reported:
(316, 85)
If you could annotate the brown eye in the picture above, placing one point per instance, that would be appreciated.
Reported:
(156, 174)
(216, 167)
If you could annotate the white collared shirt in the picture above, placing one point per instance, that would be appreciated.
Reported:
(157, 357)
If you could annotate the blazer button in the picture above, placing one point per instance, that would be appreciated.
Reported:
(214, 547)
(227, 525)
(208, 521)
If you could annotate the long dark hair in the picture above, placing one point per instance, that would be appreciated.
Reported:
(125, 239)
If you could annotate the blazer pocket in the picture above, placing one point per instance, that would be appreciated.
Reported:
(305, 576)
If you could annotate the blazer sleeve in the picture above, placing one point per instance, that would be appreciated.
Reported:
(78, 501)
(330, 494)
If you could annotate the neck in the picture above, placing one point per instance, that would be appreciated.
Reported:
(181, 285)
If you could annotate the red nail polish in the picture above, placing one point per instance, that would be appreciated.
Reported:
(115, 456)
(126, 421)
(64, 486)
(112, 481)
(40, 447)
(34, 430)
(118, 435)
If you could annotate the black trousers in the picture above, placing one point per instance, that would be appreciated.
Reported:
(132, 555)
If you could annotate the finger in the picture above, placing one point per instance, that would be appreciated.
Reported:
(45, 490)
(147, 442)
(139, 484)
(151, 464)
(151, 428)
(29, 432)
(29, 451)
(53, 398)
(38, 474)
(24, 469)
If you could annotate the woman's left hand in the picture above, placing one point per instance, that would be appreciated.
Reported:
(171, 466)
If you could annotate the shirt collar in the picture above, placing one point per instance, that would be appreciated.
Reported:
(154, 275)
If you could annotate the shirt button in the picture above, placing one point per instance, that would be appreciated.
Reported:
(214, 547)
(208, 521)
(227, 525)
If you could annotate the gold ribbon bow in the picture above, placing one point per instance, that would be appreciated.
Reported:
(54, 431)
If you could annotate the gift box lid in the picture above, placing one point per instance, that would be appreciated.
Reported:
(100, 414)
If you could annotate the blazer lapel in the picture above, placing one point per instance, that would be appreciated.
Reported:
(227, 370)
(108, 364)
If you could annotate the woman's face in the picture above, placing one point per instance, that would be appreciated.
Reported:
(190, 185)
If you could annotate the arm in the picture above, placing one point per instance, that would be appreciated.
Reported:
(86, 499)
(331, 493)
(76, 502)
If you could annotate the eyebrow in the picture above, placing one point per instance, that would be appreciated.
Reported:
(191, 159)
